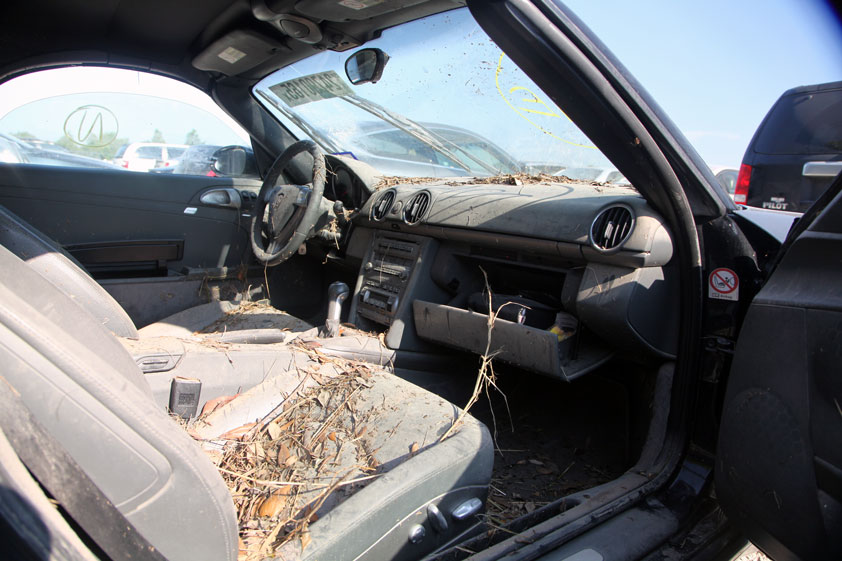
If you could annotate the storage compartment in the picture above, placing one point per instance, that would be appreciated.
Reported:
(527, 347)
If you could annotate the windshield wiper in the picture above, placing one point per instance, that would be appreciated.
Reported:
(317, 136)
(416, 131)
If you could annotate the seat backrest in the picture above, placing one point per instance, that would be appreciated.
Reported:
(84, 388)
(61, 269)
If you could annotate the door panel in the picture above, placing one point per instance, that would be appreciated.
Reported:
(117, 219)
(779, 464)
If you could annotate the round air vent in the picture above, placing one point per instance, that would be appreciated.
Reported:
(611, 228)
(416, 207)
(382, 205)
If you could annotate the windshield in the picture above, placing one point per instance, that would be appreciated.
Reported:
(449, 103)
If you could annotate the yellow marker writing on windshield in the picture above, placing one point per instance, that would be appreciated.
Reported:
(538, 109)
(533, 99)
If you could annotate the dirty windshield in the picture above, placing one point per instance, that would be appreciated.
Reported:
(449, 103)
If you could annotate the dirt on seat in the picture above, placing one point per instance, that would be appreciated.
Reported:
(338, 426)
(283, 474)
(255, 315)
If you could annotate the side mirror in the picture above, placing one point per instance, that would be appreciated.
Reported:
(234, 161)
(365, 66)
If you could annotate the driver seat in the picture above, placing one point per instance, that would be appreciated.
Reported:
(61, 269)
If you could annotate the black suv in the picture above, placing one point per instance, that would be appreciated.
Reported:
(796, 151)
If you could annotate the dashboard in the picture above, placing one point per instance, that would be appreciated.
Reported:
(592, 255)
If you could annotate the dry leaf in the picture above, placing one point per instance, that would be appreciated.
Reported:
(362, 381)
(323, 398)
(214, 404)
(332, 436)
(274, 504)
(413, 449)
(238, 433)
(536, 462)
(283, 454)
(274, 431)
(530, 506)
(291, 461)
(361, 431)
(256, 450)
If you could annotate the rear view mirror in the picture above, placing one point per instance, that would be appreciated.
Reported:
(365, 66)
(233, 161)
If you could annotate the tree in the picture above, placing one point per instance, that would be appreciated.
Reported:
(23, 135)
(192, 138)
(158, 136)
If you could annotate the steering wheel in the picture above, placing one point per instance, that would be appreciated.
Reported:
(293, 209)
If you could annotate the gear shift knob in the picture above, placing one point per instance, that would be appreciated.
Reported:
(337, 293)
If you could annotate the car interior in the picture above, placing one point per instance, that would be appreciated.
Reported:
(147, 333)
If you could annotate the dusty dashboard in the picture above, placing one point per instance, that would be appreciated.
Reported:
(575, 272)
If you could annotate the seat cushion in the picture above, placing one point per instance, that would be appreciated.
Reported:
(225, 316)
(360, 457)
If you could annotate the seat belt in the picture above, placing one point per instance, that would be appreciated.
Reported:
(64, 479)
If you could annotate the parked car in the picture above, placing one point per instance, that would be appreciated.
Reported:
(796, 152)
(338, 364)
(144, 156)
(727, 177)
(14, 150)
(396, 152)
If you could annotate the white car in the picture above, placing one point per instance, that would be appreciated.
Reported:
(143, 156)
(727, 177)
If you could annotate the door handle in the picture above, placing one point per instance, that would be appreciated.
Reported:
(225, 197)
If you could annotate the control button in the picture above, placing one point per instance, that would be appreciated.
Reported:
(436, 518)
(416, 533)
(466, 509)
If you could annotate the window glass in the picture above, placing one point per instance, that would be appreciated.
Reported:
(804, 124)
(449, 103)
(113, 119)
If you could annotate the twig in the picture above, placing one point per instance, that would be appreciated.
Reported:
(486, 378)
(276, 483)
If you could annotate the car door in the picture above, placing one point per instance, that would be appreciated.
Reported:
(779, 458)
(153, 238)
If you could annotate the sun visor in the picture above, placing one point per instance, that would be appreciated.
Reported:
(237, 52)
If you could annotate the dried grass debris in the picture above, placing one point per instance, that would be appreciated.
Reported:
(284, 473)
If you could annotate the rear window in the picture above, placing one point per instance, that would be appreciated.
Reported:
(153, 152)
(809, 123)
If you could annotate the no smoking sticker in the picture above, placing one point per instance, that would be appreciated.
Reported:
(724, 284)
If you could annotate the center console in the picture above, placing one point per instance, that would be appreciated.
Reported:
(386, 272)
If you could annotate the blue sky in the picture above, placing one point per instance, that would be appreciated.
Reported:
(716, 67)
